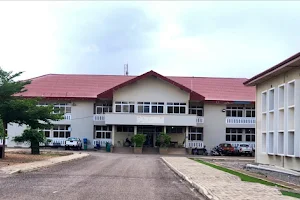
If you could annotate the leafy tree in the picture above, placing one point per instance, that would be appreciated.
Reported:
(23, 111)
(34, 137)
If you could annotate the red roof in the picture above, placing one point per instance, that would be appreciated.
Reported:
(269, 72)
(89, 86)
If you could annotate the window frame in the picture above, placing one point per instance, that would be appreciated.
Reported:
(196, 109)
(196, 132)
(105, 132)
(176, 105)
(57, 129)
(123, 105)
(234, 133)
(250, 134)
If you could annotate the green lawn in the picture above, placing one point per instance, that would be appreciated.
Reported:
(248, 178)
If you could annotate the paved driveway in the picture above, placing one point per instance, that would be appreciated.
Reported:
(100, 176)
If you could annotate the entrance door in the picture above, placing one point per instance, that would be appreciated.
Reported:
(150, 132)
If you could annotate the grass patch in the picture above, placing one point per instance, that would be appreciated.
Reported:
(290, 194)
(243, 177)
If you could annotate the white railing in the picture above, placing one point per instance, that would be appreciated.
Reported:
(99, 117)
(236, 144)
(200, 120)
(240, 120)
(102, 142)
(1, 141)
(57, 141)
(195, 144)
(67, 116)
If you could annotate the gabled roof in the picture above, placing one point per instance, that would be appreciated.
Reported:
(109, 93)
(281, 67)
(84, 86)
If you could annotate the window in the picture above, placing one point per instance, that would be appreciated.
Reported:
(143, 107)
(176, 108)
(250, 134)
(124, 107)
(196, 110)
(103, 132)
(128, 129)
(234, 134)
(62, 108)
(175, 129)
(61, 131)
(196, 133)
(234, 111)
(47, 133)
(157, 107)
(271, 99)
(104, 108)
(250, 112)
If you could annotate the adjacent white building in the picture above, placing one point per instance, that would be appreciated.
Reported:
(194, 111)
(278, 114)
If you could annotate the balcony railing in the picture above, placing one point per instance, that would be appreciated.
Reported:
(67, 116)
(57, 141)
(99, 117)
(102, 142)
(240, 120)
(195, 144)
(199, 120)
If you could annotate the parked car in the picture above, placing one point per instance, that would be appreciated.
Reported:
(226, 149)
(73, 142)
(245, 149)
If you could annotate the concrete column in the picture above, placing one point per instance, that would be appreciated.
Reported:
(186, 136)
(135, 130)
(165, 129)
(113, 134)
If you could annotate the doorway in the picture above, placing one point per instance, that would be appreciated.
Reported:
(151, 133)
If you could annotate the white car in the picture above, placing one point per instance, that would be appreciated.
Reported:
(73, 142)
(245, 149)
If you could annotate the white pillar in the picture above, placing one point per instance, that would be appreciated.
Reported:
(135, 130)
(113, 134)
(165, 129)
(186, 137)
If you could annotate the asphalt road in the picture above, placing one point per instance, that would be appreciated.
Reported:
(100, 176)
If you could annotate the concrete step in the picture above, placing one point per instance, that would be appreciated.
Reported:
(177, 151)
(150, 150)
(123, 150)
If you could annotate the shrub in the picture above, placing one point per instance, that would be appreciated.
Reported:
(139, 140)
(163, 140)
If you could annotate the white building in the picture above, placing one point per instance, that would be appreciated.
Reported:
(195, 111)
(278, 114)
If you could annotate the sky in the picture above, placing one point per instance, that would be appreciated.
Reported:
(176, 38)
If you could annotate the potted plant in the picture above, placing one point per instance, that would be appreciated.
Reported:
(163, 140)
(138, 141)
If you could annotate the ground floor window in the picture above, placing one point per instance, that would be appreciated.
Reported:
(250, 134)
(125, 129)
(61, 131)
(195, 133)
(175, 129)
(103, 132)
(234, 134)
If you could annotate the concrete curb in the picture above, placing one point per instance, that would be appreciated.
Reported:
(32, 166)
(202, 190)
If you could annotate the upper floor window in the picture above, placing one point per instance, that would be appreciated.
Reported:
(103, 109)
(58, 108)
(234, 134)
(175, 129)
(150, 107)
(250, 112)
(124, 107)
(234, 111)
(196, 110)
(176, 108)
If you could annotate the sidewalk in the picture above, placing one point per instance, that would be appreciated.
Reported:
(218, 185)
(25, 167)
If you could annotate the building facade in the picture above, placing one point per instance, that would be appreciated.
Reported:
(194, 111)
(278, 114)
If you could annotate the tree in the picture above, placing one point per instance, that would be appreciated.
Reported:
(23, 111)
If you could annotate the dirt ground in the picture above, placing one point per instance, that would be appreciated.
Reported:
(13, 158)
